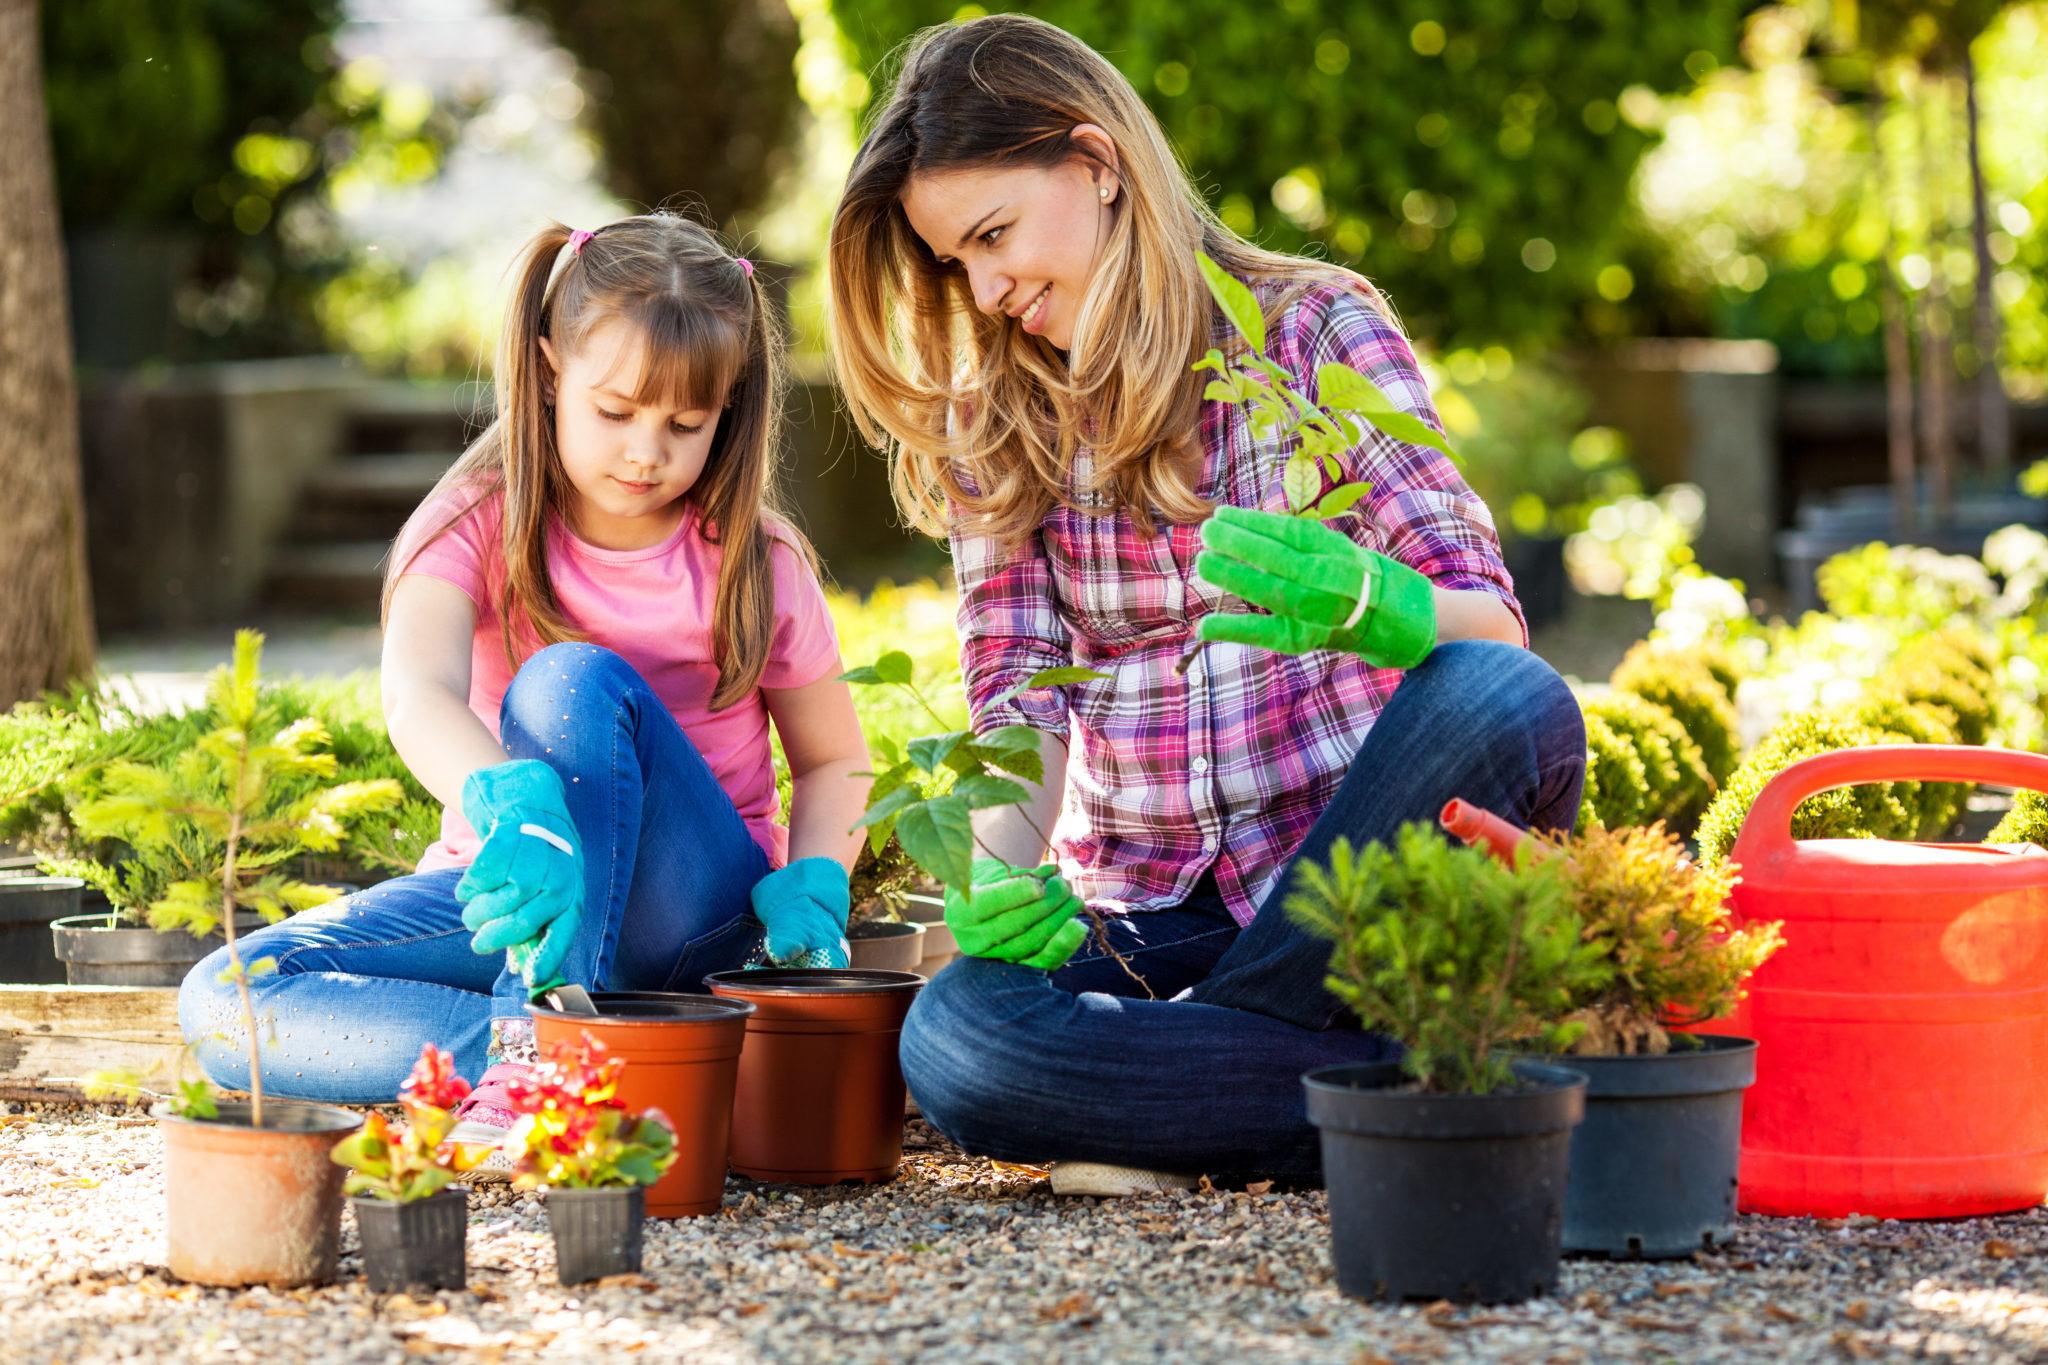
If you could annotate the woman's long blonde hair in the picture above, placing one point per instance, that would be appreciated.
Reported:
(934, 381)
(712, 342)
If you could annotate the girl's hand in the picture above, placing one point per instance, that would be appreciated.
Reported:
(1029, 918)
(1324, 590)
(527, 880)
(804, 907)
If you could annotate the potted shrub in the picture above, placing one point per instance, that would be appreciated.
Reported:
(677, 1055)
(1653, 1165)
(60, 751)
(252, 1196)
(1447, 1170)
(593, 1155)
(413, 1223)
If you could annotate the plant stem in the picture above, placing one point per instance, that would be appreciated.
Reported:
(1099, 926)
(227, 883)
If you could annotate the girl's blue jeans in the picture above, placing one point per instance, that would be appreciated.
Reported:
(360, 984)
(1078, 1064)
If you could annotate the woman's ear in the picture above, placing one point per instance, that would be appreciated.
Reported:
(1095, 148)
(548, 371)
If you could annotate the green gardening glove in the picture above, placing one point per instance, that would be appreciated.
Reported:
(1029, 918)
(1324, 590)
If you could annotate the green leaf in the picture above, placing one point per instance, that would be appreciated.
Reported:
(930, 752)
(894, 667)
(1009, 739)
(1340, 499)
(1220, 391)
(1238, 303)
(939, 837)
(888, 806)
(864, 676)
(1345, 388)
(1060, 677)
(1301, 481)
(982, 791)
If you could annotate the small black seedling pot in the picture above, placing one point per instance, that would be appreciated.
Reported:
(422, 1244)
(1654, 1164)
(1437, 1196)
(597, 1232)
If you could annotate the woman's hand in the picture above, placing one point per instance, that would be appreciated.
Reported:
(1324, 590)
(527, 879)
(1028, 918)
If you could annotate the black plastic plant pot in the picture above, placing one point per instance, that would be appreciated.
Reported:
(98, 951)
(29, 905)
(1653, 1165)
(597, 1232)
(420, 1245)
(1437, 1196)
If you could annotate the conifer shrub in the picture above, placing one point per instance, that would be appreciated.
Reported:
(1615, 781)
(1676, 784)
(1680, 682)
(1871, 811)
(2025, 823)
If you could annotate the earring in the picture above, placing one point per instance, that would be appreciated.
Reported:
(1102, 192)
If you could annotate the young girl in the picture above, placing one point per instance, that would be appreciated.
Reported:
(589, 625)
(1016, 307)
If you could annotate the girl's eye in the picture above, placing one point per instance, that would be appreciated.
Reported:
(611, 416)
(681, 430)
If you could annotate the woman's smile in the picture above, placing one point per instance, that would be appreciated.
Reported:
(1033, 317)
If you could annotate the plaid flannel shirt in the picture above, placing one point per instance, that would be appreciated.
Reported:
(1231, 763)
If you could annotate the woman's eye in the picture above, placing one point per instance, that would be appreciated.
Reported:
(611, 416)
(990, 237)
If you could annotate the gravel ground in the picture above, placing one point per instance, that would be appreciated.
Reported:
(963, 1260)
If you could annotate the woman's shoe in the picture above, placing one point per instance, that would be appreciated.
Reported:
(1105, 1181)
(485, 1118)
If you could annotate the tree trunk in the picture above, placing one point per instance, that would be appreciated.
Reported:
(1937, 318)
(46, 634)
(1898, 351)
(1994, 416)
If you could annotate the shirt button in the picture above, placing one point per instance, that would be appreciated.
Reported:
(1200, 765)
(1209, 843)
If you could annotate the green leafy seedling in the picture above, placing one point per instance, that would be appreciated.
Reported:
(930, 787)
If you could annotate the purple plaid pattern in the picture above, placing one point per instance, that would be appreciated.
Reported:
(1230, 764)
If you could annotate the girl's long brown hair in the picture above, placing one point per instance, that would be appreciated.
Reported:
(712, 342)
(934, 380)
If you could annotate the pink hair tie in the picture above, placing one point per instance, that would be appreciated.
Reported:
(746, 265)
(577, 239)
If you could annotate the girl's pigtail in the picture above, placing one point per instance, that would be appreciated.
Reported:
(743, 510)
(527, 610)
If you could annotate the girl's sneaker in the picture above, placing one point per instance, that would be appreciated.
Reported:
(485, 1117)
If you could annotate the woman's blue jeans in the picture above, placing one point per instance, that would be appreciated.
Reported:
(1076, 1064)
(360, 984)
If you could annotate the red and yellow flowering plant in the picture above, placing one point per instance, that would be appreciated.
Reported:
(575, 1132)
(415, 1161)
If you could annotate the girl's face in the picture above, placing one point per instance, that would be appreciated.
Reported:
(1027, 237)
(629, 463)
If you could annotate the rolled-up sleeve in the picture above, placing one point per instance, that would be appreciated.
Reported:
(1010, 628)
(1420, 511)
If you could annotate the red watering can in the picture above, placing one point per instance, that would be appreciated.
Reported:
(1902, 1066)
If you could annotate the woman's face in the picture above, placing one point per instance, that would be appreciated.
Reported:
(1027, 237)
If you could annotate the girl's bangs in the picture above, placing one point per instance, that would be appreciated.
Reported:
(692, 356)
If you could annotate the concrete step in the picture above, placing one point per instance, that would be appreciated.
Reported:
(365, 497)
(401, 417)
(335, 576)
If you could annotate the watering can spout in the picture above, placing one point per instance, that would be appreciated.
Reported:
(1480, 827)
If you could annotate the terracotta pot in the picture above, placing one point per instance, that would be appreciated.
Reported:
(682, 1057)
(939, 945)
(254, 1205)
(885, 945)
(820, 1096)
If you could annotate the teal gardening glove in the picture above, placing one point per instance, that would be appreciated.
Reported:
(1324, 590)
(1025, 917)
(804, 907)
(527, 880)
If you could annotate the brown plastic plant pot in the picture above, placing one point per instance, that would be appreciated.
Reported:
(682, 1055)
(820, 1096)
(249, 1205)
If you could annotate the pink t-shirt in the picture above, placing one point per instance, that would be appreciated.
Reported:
(653, 608)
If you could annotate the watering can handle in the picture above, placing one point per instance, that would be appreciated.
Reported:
(1767, 832)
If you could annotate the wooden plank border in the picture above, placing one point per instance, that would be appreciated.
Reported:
(52, 1035)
